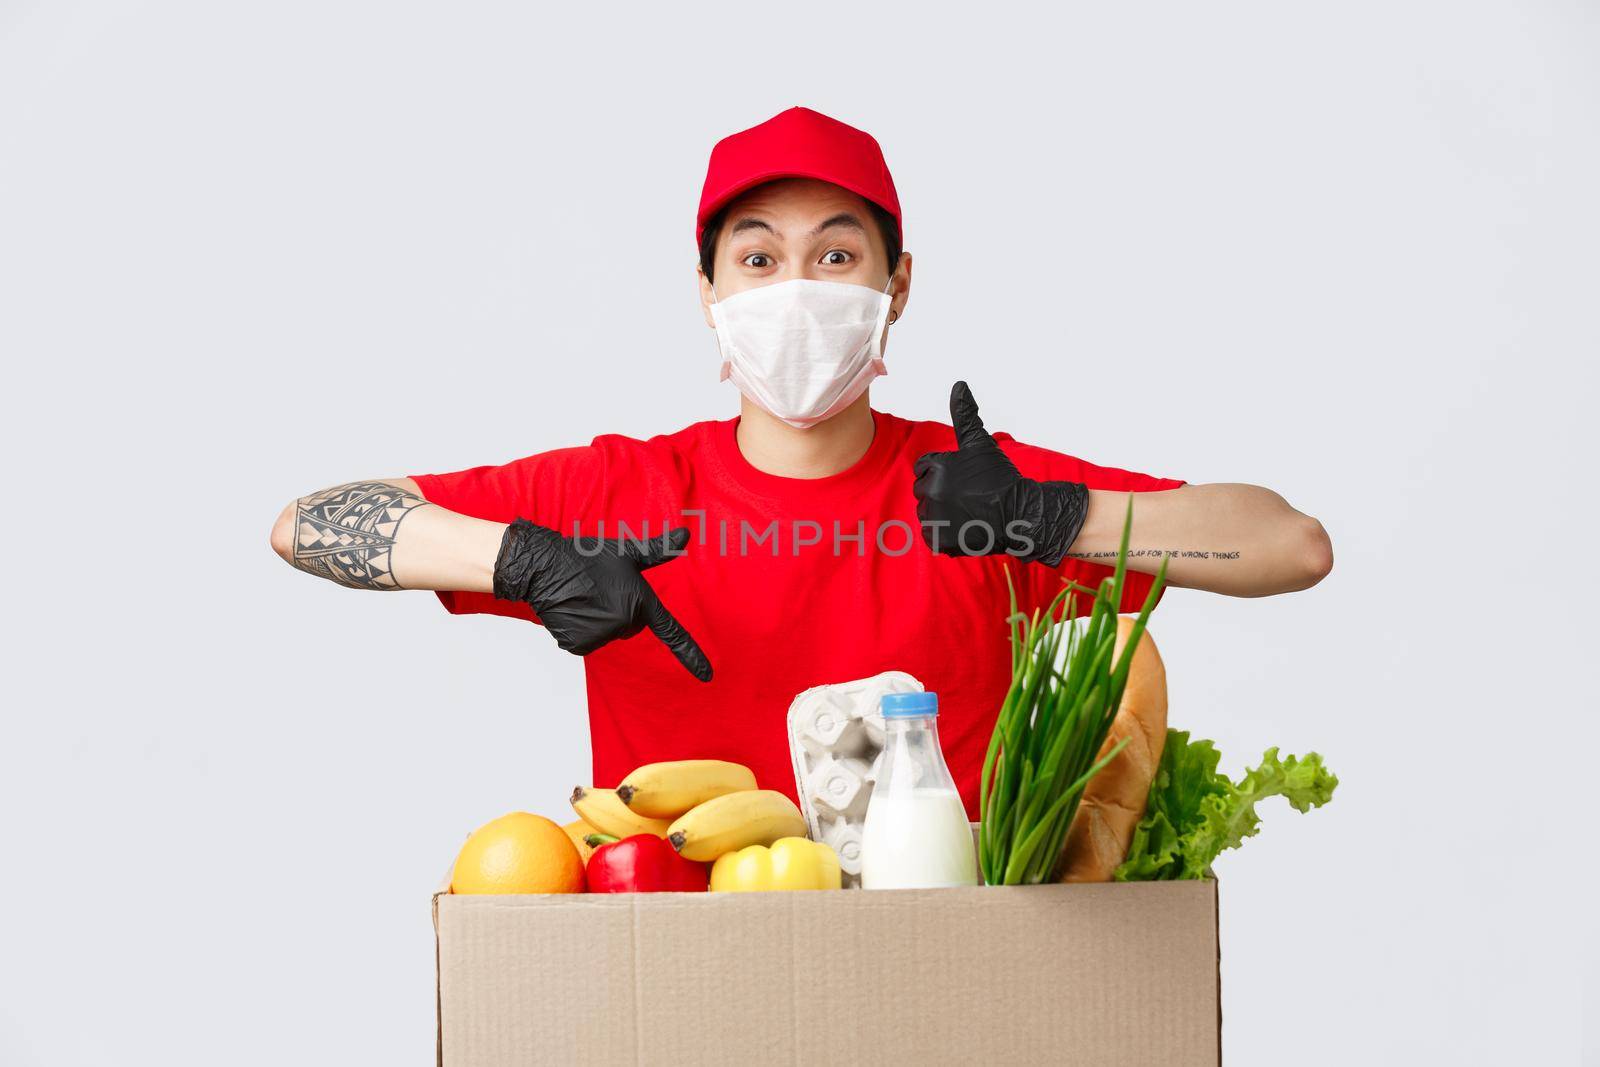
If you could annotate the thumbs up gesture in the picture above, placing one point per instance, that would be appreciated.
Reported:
(974, 501)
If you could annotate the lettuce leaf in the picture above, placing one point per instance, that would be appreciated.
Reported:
(1194, 813)
(1185, 778)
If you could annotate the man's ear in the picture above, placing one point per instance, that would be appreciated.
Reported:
(707, 297)
(900, 287)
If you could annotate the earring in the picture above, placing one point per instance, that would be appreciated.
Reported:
(893, 315)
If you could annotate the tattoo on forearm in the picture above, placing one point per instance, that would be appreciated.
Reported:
(1176, 553)
(346, 533)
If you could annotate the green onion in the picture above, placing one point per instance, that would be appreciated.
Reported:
(1053, 723)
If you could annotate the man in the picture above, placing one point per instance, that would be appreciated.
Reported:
(809, 540)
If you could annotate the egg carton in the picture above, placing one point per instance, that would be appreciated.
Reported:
(835, 737)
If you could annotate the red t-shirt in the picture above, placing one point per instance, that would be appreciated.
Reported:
(797, 607)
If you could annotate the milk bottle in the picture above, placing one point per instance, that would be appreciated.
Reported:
(916, 834)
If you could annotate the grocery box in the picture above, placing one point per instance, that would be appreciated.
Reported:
(1104, 974)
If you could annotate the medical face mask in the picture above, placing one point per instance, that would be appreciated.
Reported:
(802, 350)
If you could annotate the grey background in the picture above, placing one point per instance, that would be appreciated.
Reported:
(1347, 251)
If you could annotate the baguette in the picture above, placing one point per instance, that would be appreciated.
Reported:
(1113, 801)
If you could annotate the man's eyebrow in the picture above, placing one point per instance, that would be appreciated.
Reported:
(750, 223)
(843, 218)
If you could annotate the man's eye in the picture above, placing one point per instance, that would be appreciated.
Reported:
(836, 258)
(757, 259)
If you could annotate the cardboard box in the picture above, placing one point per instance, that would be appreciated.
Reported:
(1092, 974)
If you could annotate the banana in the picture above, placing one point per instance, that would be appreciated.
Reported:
(605, 811)
(733, 821)
(668, 790)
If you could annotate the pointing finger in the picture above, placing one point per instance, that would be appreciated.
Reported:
(964, 417)
(676, 638)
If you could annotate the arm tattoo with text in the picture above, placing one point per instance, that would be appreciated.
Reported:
(1175, 553)
(346, 533)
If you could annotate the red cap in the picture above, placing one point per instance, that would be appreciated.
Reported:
(798, 143)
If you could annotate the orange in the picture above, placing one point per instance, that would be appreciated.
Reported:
(577, 829)
(518, 853)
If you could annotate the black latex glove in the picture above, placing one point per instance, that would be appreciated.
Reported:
(978, 484)
(587, 591)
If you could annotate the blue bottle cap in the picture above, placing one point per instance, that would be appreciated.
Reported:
(910, 705)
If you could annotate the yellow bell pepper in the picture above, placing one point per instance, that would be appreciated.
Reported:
(791, 863)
